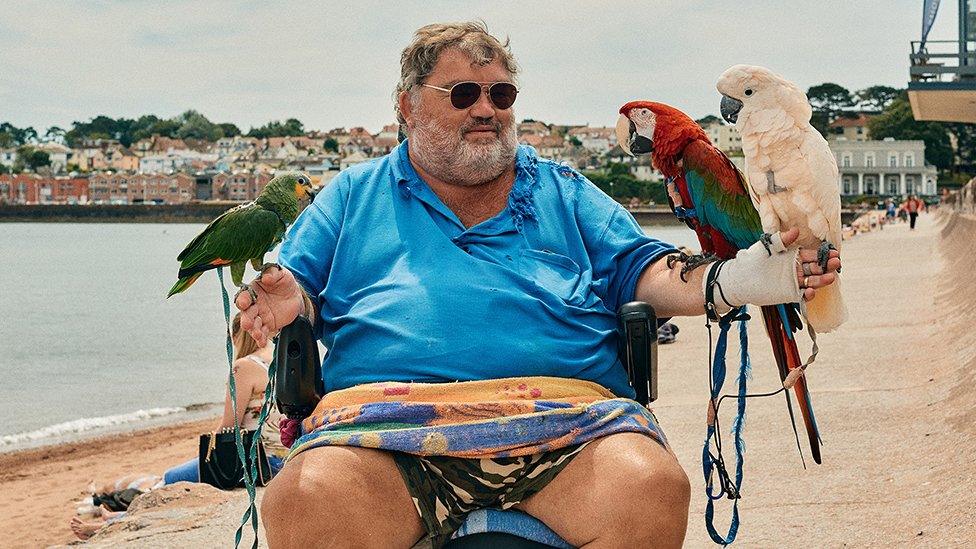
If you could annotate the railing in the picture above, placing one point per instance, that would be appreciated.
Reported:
(942, 61)
(963, 200)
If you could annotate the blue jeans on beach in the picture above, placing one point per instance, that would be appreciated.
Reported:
(190, 471)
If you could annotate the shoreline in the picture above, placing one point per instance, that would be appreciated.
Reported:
(92, 428)
(39, 487)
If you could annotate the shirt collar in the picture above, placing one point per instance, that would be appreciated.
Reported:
(520, 204)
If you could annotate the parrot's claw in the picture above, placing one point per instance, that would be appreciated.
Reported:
(267, 266)
(680, 258)
(767, 242)
(692, 262)
(823, 254)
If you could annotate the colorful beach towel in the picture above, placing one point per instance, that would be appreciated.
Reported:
(473, 419)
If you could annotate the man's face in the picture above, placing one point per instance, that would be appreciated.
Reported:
(461, 146)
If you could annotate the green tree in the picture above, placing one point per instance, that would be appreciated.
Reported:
(330, 144)
(574, 141)
(897, 121)
(54, 133)
(876, 98)
(194, 125)
(275, 128)
(16, 136)
(32, 158)
(229, 130)
(828, 101)
(711, 118)
(965, 134)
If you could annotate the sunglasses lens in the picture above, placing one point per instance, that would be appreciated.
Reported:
(502, 94)
(465, 94)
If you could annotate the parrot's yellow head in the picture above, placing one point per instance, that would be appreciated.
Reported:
(747, 89)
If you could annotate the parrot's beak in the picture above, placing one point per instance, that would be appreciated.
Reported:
(730, 109)
(629, 140)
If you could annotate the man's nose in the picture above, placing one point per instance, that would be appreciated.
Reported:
(483, 108)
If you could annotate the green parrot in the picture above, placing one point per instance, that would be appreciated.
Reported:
(246, 232)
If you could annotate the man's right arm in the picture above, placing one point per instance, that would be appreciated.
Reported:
(306, 259)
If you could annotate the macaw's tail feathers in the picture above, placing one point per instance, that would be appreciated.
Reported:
(826, 311)
(182, 284)
(782, 322)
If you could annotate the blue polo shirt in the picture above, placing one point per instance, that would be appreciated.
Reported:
(407, 293)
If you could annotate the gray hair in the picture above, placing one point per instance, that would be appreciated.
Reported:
(470, 37)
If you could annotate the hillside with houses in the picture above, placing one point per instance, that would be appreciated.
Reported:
(147, 163)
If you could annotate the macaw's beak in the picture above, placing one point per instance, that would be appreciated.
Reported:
(629, 140)
(730, 109)
(311, 192)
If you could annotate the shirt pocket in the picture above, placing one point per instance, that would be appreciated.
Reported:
(553, 272)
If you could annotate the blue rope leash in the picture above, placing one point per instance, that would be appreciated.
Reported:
(712, 463)
(249, 460)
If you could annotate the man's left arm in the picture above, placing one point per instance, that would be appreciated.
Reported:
(755, 276)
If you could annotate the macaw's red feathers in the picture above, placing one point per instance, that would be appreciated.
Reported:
(788, 360)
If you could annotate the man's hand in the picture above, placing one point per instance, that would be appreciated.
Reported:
(279, 302)
(809, 274)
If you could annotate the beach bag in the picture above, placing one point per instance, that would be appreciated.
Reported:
(219, 463)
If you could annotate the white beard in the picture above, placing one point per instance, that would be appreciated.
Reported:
(446, 155)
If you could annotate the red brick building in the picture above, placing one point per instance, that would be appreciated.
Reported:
(35, 189)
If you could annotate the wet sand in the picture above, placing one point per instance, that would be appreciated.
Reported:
(891, 390)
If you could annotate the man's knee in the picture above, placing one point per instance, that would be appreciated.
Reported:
(655, 477)
(337, 493)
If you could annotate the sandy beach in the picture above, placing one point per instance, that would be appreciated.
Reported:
(891, 390)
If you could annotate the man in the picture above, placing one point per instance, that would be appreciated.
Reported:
(461, 256)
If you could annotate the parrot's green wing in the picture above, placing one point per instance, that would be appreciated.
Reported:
(239, 234)
(718, 190)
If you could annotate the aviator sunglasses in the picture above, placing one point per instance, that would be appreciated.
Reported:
(465, 94)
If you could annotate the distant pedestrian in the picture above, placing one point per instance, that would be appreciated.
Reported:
(913, 205)
(890, 210)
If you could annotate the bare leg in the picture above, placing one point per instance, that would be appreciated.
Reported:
(623, 490)
(84, 530)
(336, 496)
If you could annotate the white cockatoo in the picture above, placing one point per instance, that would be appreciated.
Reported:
(792, 174)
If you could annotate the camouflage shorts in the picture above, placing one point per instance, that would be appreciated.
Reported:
(446, 489)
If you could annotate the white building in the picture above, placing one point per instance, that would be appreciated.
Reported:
(174, 160)
(884, 168)
(724, 136)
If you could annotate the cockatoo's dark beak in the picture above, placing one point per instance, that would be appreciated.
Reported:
(730, 109)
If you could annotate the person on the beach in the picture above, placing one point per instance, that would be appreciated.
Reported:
(251, 377)
(890, 210)
(913, 206)
(467, 290)
(111, 500)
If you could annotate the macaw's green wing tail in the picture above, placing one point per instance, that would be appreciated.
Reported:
(182, 284)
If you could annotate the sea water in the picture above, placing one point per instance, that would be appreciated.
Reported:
(90, 344)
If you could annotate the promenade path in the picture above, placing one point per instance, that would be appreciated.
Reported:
(891, 389)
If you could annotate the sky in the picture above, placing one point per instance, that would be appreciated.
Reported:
(333, 64)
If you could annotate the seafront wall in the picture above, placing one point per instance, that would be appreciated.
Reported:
(957, 299)
(196, 212)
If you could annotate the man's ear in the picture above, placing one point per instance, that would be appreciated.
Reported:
(405, 107)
